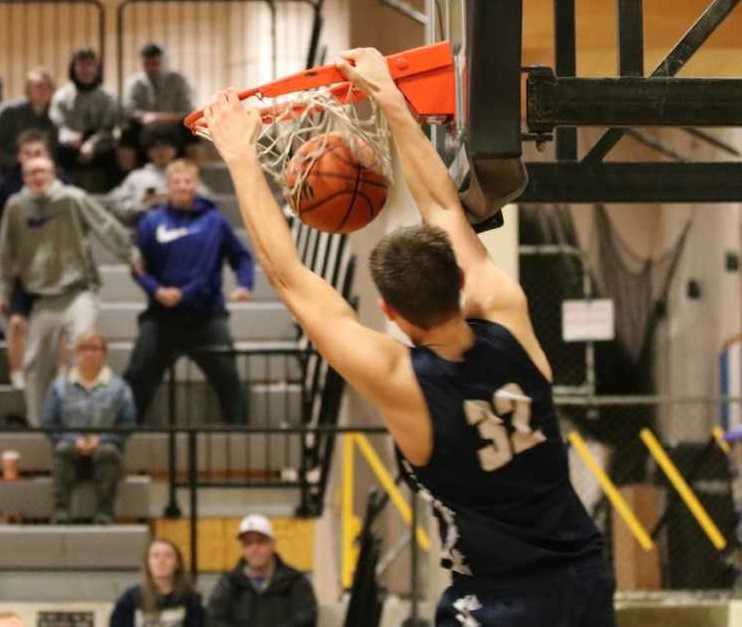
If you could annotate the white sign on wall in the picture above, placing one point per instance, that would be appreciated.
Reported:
(588, 320)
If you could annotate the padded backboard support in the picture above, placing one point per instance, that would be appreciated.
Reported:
(491, 172)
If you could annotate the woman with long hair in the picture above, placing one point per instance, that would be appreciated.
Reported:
(165, 597)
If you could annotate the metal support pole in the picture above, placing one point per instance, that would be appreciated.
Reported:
(630, 38)
(565, 47)
(172, 509)
(193, 494)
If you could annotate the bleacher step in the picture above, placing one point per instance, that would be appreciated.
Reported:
(70, 547)
(218, 453)
(32, 498)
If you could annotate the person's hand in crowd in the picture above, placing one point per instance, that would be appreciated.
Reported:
(240, 295)
(86, 444)
(72, 139)
(169, 296)
(149, 117)
(87, 151)
(152, 198)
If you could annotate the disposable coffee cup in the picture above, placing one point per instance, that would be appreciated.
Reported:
(10, 465)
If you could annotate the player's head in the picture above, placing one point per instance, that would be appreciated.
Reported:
(415, 270)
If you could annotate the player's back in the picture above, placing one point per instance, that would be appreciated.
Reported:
(498, 474)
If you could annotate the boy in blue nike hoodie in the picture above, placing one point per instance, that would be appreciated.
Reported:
(184, 245)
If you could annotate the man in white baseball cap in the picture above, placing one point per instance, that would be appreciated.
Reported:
(261, 590)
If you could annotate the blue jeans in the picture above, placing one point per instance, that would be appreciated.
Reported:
(576, 595)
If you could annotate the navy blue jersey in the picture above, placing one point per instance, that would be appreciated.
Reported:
(498, 476)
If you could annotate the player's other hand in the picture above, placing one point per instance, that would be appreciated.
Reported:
(368, 70)
(233, 128)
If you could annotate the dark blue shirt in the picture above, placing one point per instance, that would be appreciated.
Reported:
(498, 476)
(187, 249)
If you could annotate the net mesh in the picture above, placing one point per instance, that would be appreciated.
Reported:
(297, 129)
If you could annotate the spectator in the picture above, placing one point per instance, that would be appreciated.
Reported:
(29, 113)
(261, 591)
(89, 397)
(146, 187)
(86, 115)
(184, 244)
(44, 243)
(30, 144)
(165, 597)
(155, 97)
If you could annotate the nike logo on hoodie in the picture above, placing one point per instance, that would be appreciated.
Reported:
(165, 235)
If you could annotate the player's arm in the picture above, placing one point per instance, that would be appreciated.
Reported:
(487, 288)
(377, 366)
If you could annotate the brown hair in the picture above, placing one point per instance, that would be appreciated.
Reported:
(415, 270)
(33, 136)
(181, 580)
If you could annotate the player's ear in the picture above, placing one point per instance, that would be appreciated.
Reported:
(462, 278)
(388, 310)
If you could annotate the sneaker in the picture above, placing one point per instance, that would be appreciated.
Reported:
(18, 380)
(102, 519)
(60, 517)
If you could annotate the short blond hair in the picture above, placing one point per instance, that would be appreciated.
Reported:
(182, 165)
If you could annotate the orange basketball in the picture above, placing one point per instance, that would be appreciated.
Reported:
(342, 191)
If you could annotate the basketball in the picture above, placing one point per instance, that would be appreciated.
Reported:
(342, 189)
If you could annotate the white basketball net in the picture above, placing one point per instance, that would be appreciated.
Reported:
(316, 113)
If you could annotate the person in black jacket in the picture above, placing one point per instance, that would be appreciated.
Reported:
(261, 591)
(165, 598)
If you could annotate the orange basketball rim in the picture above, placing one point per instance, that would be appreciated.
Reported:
(425, 76)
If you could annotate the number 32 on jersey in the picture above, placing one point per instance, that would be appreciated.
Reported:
(508, 405)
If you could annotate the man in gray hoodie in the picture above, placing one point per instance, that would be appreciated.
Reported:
(45, 243)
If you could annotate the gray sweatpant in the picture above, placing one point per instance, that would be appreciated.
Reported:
(107, 468)
(51, 316)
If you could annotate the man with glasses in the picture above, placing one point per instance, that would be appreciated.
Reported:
(89, 397)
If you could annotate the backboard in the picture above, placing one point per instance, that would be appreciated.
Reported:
(483, 147)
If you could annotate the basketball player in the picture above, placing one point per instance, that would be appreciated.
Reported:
(469, 406)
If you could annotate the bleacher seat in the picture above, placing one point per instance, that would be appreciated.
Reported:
(32, 498)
